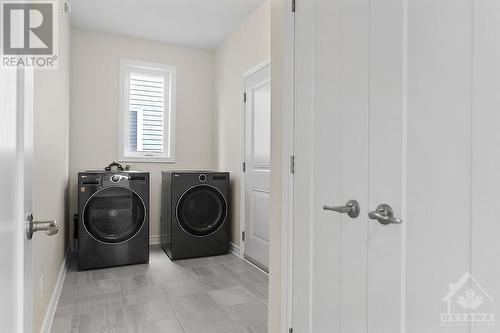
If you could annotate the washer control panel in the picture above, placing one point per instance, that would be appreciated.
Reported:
(115, 179)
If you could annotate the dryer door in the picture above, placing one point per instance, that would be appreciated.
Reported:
(201, 210)
(114, 215)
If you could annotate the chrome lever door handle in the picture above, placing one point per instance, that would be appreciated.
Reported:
(385, 215)
(50, 227)
(351, 208)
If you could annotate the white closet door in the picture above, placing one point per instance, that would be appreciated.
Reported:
(331, 127)
(397, 103)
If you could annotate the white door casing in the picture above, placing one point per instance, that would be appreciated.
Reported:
(257, 165)
(16, 103)
(396, 102)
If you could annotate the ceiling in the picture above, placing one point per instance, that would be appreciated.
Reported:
(196, 23)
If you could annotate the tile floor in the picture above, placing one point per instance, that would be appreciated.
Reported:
(221, 294)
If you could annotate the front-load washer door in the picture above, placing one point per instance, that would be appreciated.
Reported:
(114, 215)
(201, 210)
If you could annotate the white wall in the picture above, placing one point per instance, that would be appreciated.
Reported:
(246, 48)
(95, 104)
(50, 173)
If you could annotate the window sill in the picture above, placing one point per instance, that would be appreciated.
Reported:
(146, 160)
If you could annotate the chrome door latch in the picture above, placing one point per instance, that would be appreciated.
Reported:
(50, 227)
(351, 208)
(385, 215)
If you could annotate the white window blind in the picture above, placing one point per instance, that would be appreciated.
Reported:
(147, 112)
(147, 109)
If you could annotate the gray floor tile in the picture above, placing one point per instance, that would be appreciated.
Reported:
(170, 325)
(117, 321)
(217, 321)
(238, 267)
(63, 311)
(136, 299)
(61, 324)
(195, 262)
(254, 283)
(250, 329)
(129, 287)
(193, 303)
(220, 282)
(95, 321)
(231, 296)
(210, 270)
(226, 258)
(174, 275)
(259, 328)
(247, 314)
(137, 314)
(184, 287)
(79, 309)
(220, 294)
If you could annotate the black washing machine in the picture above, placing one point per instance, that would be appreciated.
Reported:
(195, 214)
(113, 227)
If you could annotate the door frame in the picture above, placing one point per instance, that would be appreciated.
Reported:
(244, 76)
(288, 151)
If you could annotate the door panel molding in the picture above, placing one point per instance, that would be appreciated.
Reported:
(256, 193)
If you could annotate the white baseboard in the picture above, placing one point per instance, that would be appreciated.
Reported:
(155, 240)
(51, 311)
(234, 249)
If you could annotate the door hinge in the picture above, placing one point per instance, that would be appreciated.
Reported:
(293, 6)
(244, 166)
(242, 236)
(244, 97)
(292, 164)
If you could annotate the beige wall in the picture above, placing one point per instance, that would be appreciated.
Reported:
(246, 48)
(50, 173)
(204, 138)
(95, 105)
(277, 38)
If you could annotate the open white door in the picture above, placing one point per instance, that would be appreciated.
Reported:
(257, 166)
(397, 103)
(16, 102)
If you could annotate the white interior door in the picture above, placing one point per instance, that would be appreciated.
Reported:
(397, 103)
(16, 97)
(257, 166)
(331, 147)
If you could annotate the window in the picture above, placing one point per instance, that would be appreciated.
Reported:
(147, 112)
